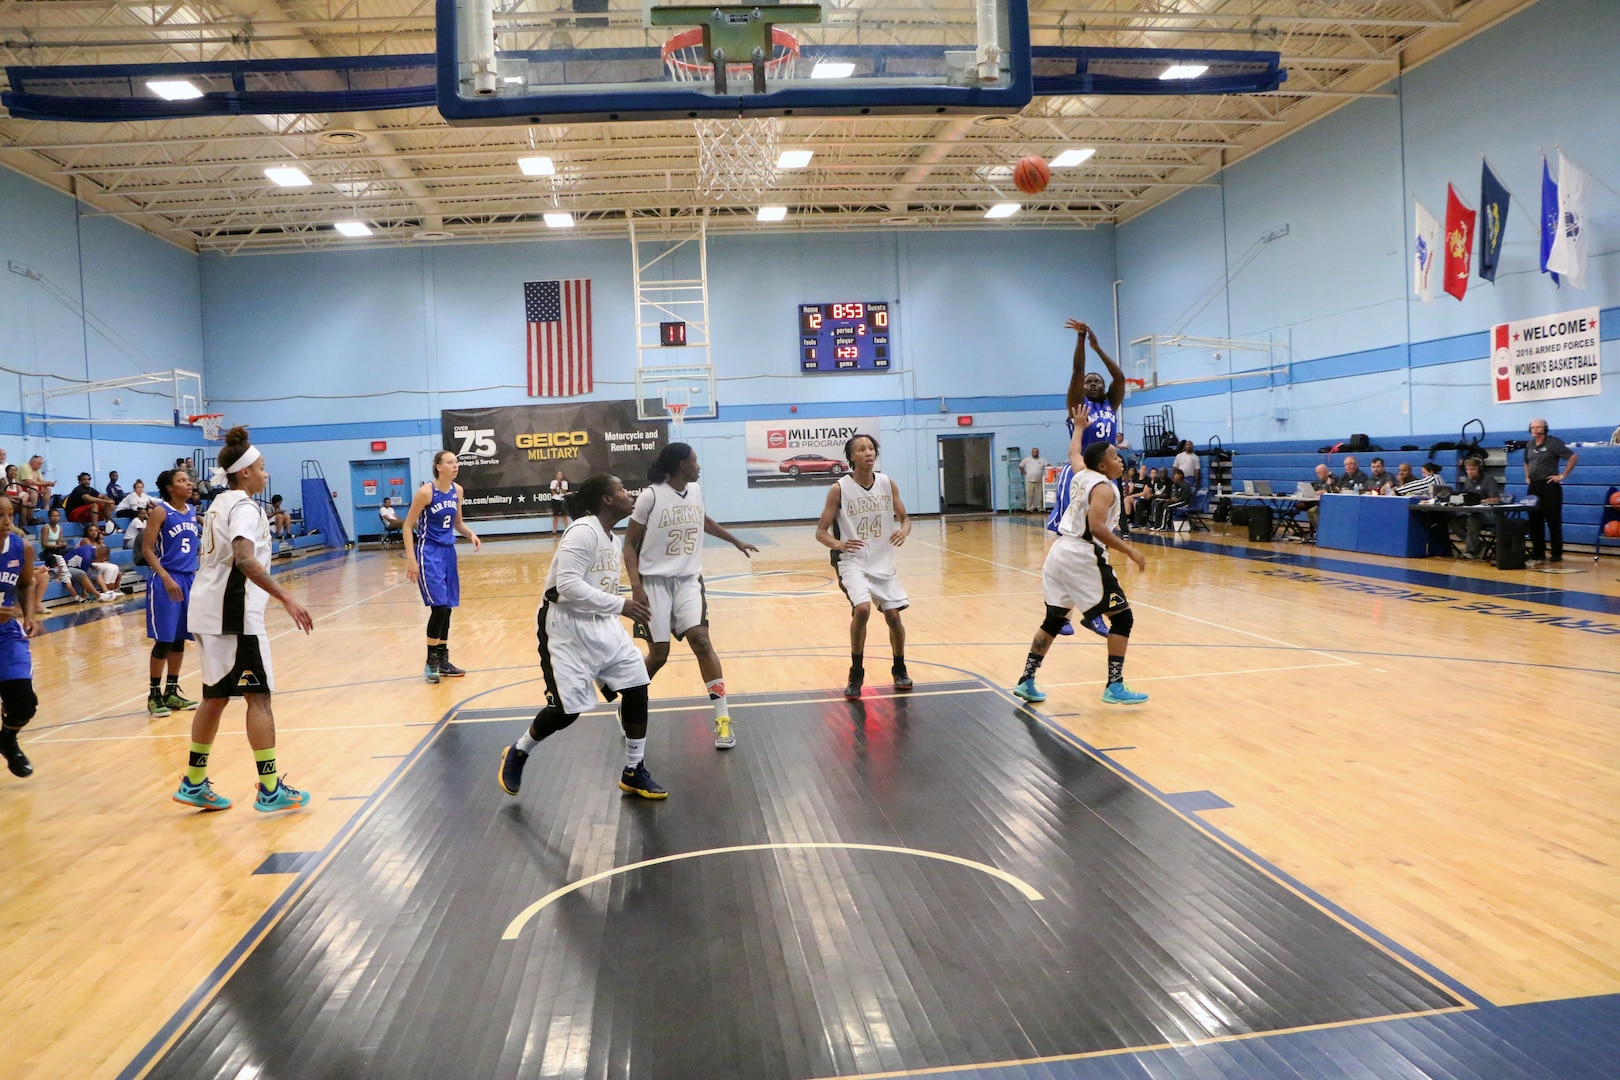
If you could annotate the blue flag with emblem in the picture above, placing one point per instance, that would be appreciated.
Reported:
(1493, 215)
(1549, 217)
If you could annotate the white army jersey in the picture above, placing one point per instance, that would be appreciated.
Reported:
(673, 546)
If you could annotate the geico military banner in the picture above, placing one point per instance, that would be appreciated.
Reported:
(510, 455)
(801, 451)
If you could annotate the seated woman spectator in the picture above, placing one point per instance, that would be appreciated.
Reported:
(19, 496)
(132, 535)
(51, 544)
(135, 500)
(280, 520)
(85, 505)
(83, 556)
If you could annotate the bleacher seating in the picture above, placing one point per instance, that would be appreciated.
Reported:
(1585, 496)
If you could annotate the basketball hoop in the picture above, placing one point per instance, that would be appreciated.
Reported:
(677, 413)
(1133, 385)
(686, 61)
(210, 423)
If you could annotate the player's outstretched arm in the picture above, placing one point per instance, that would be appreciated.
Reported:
(1077, 373)
(243, 559)
(1116, 376)
(1077, 458)
(461, 526)
(1101, 501)
(713, 528)
(902, 519)
(829, 514)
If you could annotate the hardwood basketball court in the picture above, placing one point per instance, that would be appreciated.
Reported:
(1370, 803)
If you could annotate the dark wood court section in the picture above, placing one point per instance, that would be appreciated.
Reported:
(785, 962)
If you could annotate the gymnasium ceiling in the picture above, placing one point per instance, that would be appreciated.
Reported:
(199, 183)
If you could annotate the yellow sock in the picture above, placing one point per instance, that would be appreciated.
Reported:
(267, 768)
(197, 771)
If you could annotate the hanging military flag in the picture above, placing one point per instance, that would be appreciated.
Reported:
(1567, 255)
(1459, 243)
(1549, 217)
(1423, 264)
(1493, 210)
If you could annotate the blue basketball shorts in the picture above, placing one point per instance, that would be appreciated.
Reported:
(166, 618)
(439, 581)
(16, 660)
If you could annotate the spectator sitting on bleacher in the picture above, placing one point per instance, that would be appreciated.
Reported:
(37, 489)
(1177, 493)
(106, 572)
(135, 500)
(86, 506)
(1427, 486)
(1152, 491)
(280, 520)
(137, 525)
(1354, 481)
(51, 544)
(113, 491)
(83, 557)
(1383, 482)
(16, 492)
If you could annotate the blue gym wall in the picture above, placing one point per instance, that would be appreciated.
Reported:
(146, 293)
(324, 352)
(1367, 355)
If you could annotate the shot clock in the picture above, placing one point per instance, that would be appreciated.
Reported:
(851, 336)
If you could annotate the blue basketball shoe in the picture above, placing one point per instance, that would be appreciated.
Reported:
(638, 781)
(511, 775)
(283, 798)
(1117, 693)
(202, 796)
(1029, 692)
(1096, 625)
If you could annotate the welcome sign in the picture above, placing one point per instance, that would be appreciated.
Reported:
(1555, 356)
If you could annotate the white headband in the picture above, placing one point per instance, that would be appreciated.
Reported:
(237, 466)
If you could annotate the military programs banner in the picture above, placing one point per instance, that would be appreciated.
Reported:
(801, 451)
(509, 455)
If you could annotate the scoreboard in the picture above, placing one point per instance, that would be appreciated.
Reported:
(851, 336)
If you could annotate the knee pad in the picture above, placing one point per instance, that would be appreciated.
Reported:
(17, 695)
(160, 650)
(1055, 618)
(550, 720)
(1120, 623)
(634, 709)
(438, 626)
(177, 648)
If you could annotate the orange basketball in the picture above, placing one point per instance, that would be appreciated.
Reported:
(1612, 529)
(1032, 175)
(1614, 500)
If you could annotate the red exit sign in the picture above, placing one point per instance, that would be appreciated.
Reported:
(378, 446)
(964, 421)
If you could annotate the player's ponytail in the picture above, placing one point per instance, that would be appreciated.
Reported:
(669, 459)
(588, 498)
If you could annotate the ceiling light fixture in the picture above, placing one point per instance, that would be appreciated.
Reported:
(794, 159)
(1002, 210)
(1184, 71)
(352, 228)
(1070, 158)
(537, 166)
(287, 176)
(772, 213)
(174, 89)
(559, 221)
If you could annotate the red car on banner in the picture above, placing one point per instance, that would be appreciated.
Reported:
(812, 463)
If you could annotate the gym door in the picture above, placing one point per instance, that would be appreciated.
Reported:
(966, 485)
(373, 481)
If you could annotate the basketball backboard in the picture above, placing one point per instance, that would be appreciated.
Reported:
(524, 62)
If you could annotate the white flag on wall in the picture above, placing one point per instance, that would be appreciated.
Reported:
(1568, 255)
(1424, 263)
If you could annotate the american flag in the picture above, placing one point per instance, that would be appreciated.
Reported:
(559, 318)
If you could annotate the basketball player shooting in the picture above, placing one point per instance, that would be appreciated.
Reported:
(1089, 404)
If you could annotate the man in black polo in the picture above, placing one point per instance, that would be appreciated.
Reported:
(1476, 482)
(1541, 474)
(1354, 481)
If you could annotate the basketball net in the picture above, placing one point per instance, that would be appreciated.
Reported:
(677, 413)
(211, 423)
(737, 157)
